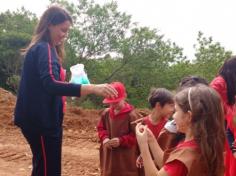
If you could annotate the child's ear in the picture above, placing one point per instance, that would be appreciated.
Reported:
(157, 105)
(189, 116)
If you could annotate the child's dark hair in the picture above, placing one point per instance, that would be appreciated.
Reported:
(160, 95)
(228, 72)
(189, 81)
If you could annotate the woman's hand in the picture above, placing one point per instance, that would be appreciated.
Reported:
(104, 90)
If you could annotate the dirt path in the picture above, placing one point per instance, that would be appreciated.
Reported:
(80, 158)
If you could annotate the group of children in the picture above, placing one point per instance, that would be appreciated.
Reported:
(119, 153)
(116, 130)
(183, 134)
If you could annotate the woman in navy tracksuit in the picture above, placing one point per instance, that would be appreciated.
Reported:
(39, 107)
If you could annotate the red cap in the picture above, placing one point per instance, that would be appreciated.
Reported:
(120, 88)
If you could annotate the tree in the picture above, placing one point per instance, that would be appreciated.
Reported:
(145, 57)
(16, 29)
(209, 55)
(97, 30)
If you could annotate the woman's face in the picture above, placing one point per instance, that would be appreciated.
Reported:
(181, 119)
(59, 32)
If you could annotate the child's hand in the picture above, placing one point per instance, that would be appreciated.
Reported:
(106, 143)
(150, 135)
(115, 142)
(141, 133)
(139, 162)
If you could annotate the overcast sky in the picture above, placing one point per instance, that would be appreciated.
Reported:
(178, 20)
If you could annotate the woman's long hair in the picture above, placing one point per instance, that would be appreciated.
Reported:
(228, 72)
(54, 15)
(207, 124)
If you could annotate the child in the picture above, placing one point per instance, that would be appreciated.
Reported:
(169, 132)
(162, 104)
(225, 85)
(118, 150)
(199, 115)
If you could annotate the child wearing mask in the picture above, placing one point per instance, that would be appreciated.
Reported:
(199, 115)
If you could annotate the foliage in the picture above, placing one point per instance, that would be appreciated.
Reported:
(13, 83)
(112, 48)
(210, 56)
(97, 29)
(16, 29)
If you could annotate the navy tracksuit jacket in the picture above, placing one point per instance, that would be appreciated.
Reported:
(39, 105)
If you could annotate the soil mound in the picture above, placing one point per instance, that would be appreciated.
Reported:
(7, 104)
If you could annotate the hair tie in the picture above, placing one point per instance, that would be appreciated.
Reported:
(189, 98)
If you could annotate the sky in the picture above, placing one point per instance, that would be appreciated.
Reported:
(177, 20)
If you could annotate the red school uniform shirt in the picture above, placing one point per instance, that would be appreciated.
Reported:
(177, 167)
(155, 128)
(220, 86)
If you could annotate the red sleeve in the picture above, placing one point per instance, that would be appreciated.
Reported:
(102, 132)
(220, 86)
(176, 168)
(128, 140)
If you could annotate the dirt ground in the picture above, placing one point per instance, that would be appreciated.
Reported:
(80, 144)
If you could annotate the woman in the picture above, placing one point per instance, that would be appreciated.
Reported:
(39, 107)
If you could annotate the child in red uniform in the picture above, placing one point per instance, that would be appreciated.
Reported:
(162, 104)
(225, 85)
(199, 115)
(169, 133)
(118, 151)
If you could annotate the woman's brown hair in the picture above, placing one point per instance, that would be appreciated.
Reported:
(207, 124)
(54, 15)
